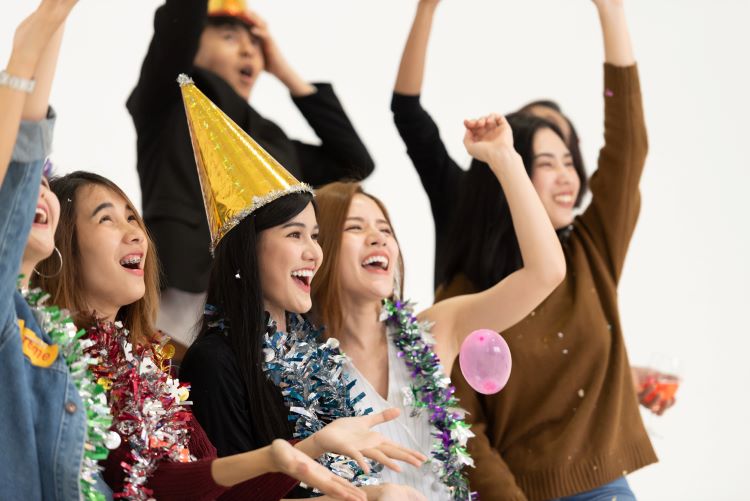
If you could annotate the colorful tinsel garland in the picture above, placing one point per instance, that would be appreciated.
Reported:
(432, 390)
(311, 377)
(56, 322)
(147, 403)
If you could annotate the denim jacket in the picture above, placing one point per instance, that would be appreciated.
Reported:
(42, 425)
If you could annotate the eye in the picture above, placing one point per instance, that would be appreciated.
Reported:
(315, 236)
(569, 165)
(229, 36)
(353, 227)
(132, 218)
(45, 182)
(386, 231)
(544, 164)
(104, 218)
(295, 234)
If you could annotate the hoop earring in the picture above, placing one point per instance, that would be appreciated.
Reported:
(58, 271)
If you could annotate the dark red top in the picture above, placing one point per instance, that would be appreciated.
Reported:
(182, 481)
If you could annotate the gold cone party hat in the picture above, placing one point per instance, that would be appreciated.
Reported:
(231, 8)
(237, 175)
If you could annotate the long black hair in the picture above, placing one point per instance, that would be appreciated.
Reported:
(234, 289)
(484, 244)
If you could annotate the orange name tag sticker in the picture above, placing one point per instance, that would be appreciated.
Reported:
(37, 351)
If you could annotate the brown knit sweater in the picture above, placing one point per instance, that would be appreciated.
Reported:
(568, 420)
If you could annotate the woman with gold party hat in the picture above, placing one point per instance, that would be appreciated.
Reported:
(225, 47)
(254, 346)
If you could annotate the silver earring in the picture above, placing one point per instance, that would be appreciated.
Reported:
(397, 284)
(58, 271)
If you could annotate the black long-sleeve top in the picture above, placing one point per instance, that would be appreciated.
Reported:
(441, 176)
(172, 200)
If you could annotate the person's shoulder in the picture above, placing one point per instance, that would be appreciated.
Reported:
(211, 352)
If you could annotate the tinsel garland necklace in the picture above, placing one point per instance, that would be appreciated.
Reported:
(312, 381)
(431, 390)
(56, 322)
(147, 403)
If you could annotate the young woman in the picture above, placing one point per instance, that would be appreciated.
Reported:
(42, 413)
(109, 279)
(573, 427)
(402, 362)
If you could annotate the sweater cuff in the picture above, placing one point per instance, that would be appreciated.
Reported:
(403, 103)
(621, 80)
(34, 141)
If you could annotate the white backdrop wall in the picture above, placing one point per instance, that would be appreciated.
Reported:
(685, 287)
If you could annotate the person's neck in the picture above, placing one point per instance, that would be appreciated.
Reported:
(103, 311)
(361, 329)
(27, 268)
(278, 315)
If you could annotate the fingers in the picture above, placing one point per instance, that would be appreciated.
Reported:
(382, 458)
(382, 417)
(256, 19)
(404, 454)
(359, 458)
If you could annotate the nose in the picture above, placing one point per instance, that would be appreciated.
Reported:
(313, 252)
(375, 238)
(134, 234)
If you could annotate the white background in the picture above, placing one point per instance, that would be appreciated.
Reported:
(685, 287)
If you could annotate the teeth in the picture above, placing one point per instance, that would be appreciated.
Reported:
(42, 216)
(302, 273)
(563, 198)
(376, 259)
(131, 260)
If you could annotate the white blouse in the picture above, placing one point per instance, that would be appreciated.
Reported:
(406, 430)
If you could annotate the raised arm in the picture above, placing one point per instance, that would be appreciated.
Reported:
(610, 219)
(490, 140)
(178, 25)
(35, 47)
(411, 70)
(618, 50)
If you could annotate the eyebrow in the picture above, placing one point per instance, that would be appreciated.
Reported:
(550, 155)
(102, 206)
(362, 220)
(296, 224)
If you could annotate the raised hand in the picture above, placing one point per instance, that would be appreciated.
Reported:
(276, 63)
(294, 463)
(34, 32)
(488, 136)
(354, 438)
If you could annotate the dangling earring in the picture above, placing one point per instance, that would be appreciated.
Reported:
(58, 271)
(397, 284)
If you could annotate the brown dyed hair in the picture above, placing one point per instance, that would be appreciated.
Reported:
(66, 287)
(333, 206)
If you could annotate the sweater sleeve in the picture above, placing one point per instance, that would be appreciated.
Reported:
(439, 173)
(611, 217)
(178, 25)
(341, 155)
(491, 477)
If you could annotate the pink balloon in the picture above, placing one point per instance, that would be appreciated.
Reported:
(485, 361)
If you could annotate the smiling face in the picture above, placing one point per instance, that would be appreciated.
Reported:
(369, 253)
(41, 242)
(234, 54)
(554, 177)
(288, 258)
(112, 249)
